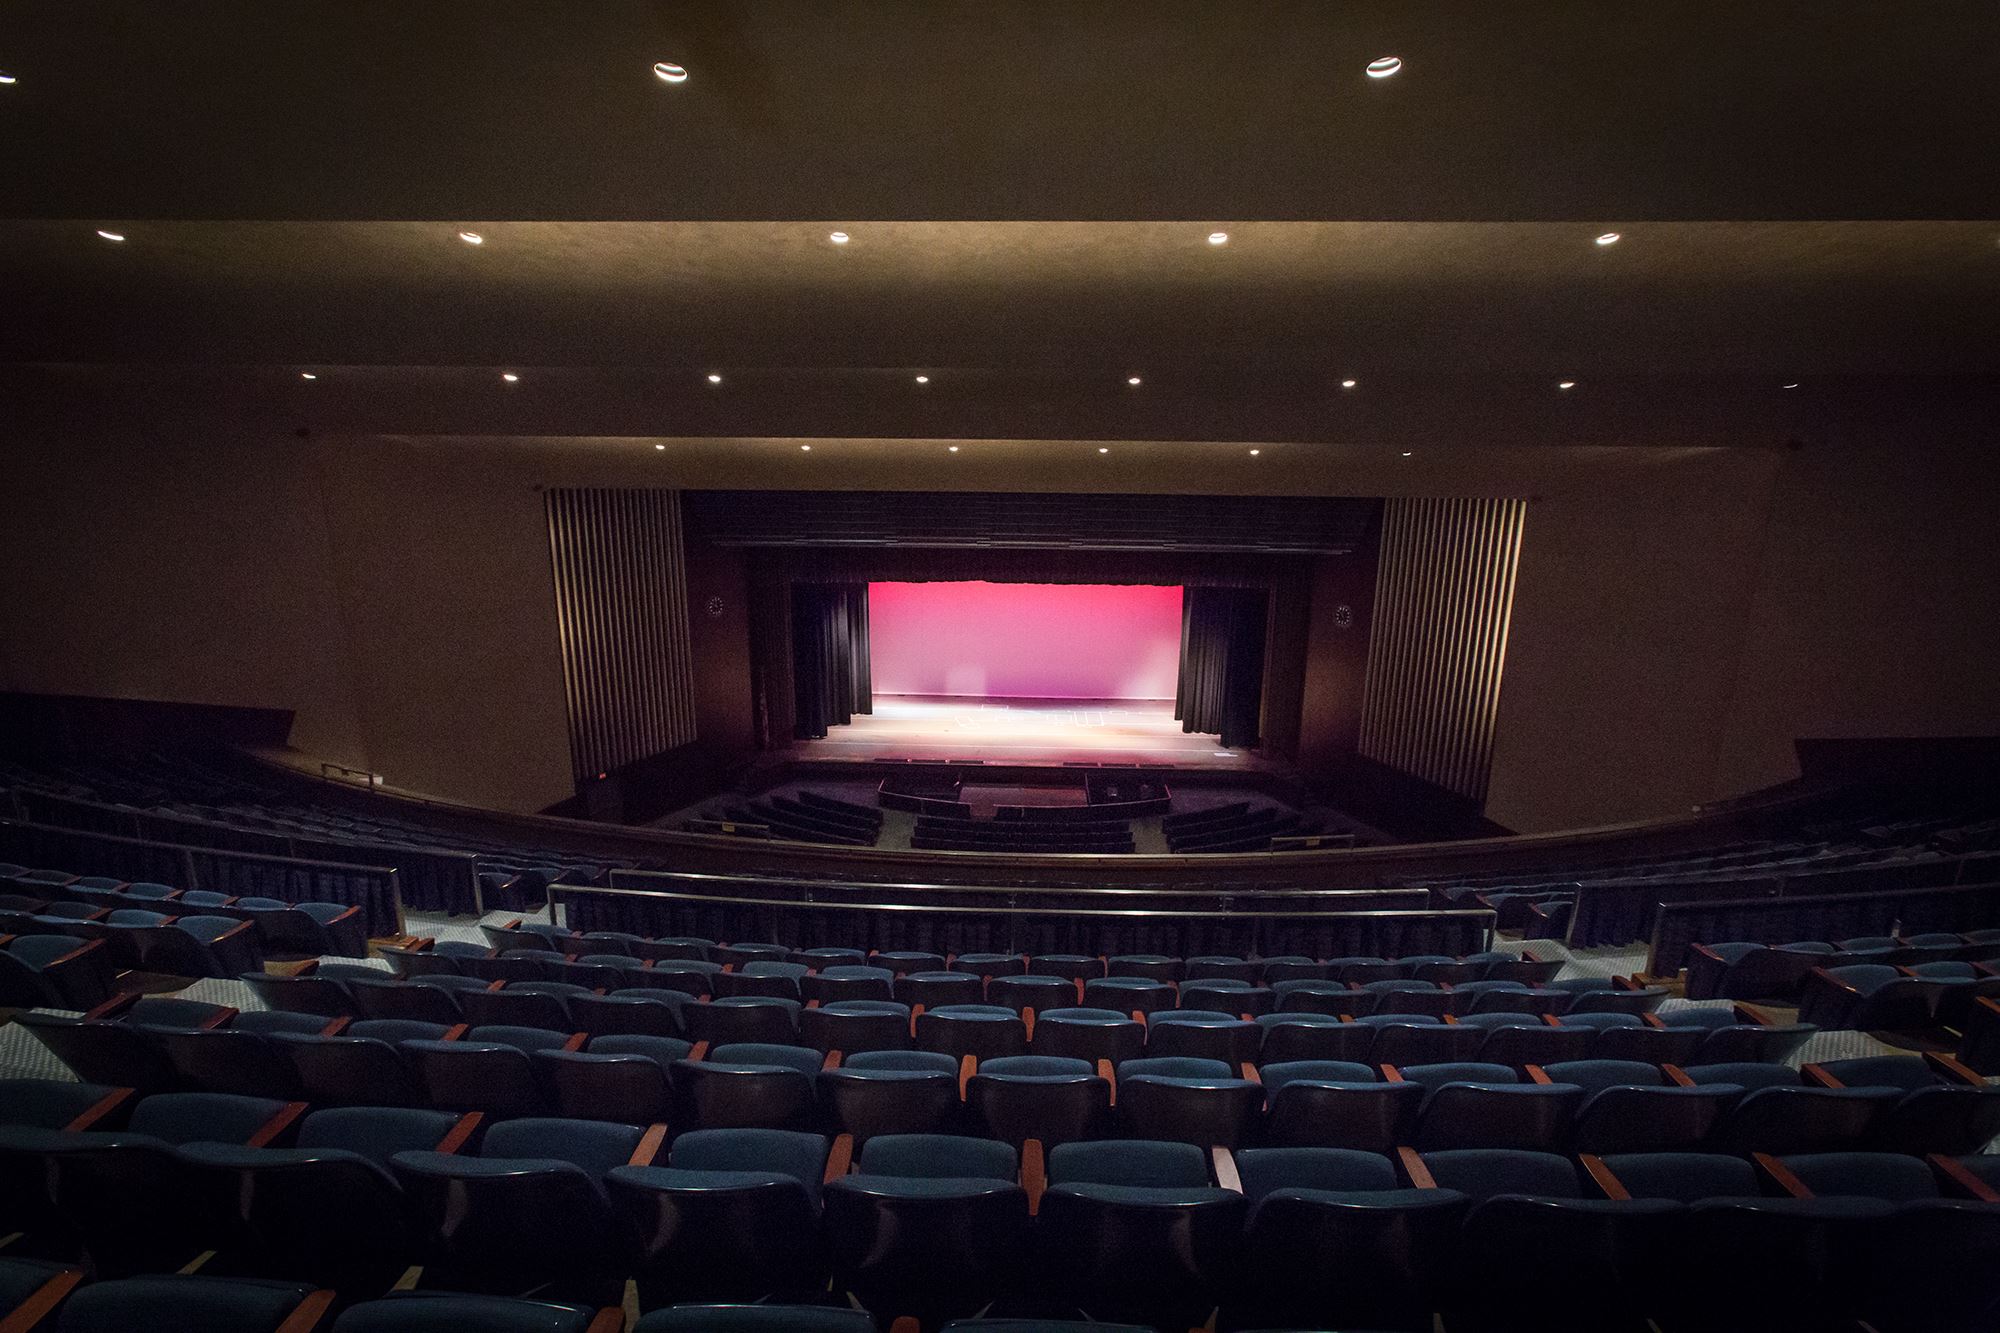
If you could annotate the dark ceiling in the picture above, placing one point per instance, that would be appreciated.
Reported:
(1000, 109)
(1804, 193)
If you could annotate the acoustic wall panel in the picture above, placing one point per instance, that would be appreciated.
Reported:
(621, 609)
(1444, 592)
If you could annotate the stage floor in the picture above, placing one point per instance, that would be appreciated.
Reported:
(1024, 731)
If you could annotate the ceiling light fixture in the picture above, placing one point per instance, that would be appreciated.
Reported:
(307, 375)
(1218, 238)
(805, 448)
(1791, 386)
(923, 379)
(951, 448)
(1255, 452)
(509, 376)
(1348, 384)
(472, 238)
(666, 71)
(1102, 450)
(1566, 384)
(1385, 67)
(715, 379)
(1608, 238)
(1133, 380)
(661, 447)
(1406, 453)
(839, 237)
(8, 78)
(111, 235)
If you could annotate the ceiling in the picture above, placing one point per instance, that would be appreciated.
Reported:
(1804, 193)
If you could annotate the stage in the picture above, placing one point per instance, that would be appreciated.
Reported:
(946, 729)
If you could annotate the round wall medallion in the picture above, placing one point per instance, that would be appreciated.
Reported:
(715, 607)
(1343, 616)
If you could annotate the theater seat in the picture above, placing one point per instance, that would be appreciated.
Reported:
(456, 1312)
(755, 1319)
(891, 1092)
(1053, 1099)
(211, 1304)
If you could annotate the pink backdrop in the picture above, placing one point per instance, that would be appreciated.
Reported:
(1025, 640)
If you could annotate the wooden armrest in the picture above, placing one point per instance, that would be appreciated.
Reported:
(649, 1145)
(78, 952)
(335, 1026)
(1953, 1071)
(307, 968)
(576, 1041)
(1079, 990)
(839, 1159)
(1536, 1074)
(699, 1052)
(1414, 1168)
(1819, 1075)
(101, 1108)
(41, 1302)
(115, 1006)
(1028, 1021)
(1988, 1002)
(1552, 1020)
(1782, 1174)
(1677, 1076)
(500, 984)
(1391, 1074)
(905, 1324)
(238, 929)
(1109, 1074)
(832, 1060)
(1905, 970)
(309, 1314)
(1827, 979)
(1653, 1021)
(1626, 983)
(276, 1125)
(1226, 1176)
(1602, 1176)
(812, 1004)
(968, 1065)
(458, 1135)
(1451, 1020)
(611, 1319)
(456, 1032)
(1139, 1017)
(1751, 1015)
(1250, 1072)
(224, 1018)
(1034, 1173)
(916, 1012)
(1974, 1187)
(1708, 953)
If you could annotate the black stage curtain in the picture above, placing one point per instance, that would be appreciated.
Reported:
(1222, 663)
(831, 677)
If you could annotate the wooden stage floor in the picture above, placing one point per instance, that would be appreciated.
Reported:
(938, 729)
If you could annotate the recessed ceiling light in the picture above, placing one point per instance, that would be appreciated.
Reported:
(307, 375)
(472, 238)
(1406, 453)
(1566, 384)
(1218, 238)
(805, 448)
(1791, 386)
(1608, 238)
(666, 71)
(1134, 379)
(952, 448)
(509, 376)
(923, 379)
(1383, 68)
(660, 447)
(838, 237)
(1102, 450)
(1348, 384)
(715, 379)
(1255, 452)
(111, 235)
(8, 78)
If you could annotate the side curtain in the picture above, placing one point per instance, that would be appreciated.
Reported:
(1222, 663)
(831, 676)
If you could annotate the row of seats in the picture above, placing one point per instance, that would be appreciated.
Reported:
(1157, 1233)
(1231, 830)
(1496, 965)
(1210, 1085)
(301, 929)
(54, 972)
(1743, 970)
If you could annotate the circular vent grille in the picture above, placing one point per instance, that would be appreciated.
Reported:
(1343, 616)
(715, 607)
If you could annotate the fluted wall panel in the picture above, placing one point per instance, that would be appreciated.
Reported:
(621, 609)
(1443, 596)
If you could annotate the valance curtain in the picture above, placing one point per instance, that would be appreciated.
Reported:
(1222, 663)
(831, 676)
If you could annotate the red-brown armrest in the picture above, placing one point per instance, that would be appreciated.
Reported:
(1958, 1176)
(649, 1146)
(840, 1159)
(1414, 1168)
(1034, 1174)
(41, 1302)
(101, 1108)
(1952, 1070)
(335, 1026)
(1782, 1174)
(611, 1319)
(459, 1134)
(116, 1005)
(276, 1125)
(1603, 1177)
(832, 1060)
(1109, 1073)
(1677, 1076)
(1820, 1076)
(576, 1041)
(1536, 1074)
(73, 954)
(308, 1315)
(456, 1032)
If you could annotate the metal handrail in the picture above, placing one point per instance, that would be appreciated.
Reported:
(878, 886)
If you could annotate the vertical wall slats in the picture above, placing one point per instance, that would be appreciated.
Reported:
(1443, 597)
(622, 620)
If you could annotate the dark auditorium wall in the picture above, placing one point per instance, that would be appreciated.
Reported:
(1682, 613)
(722, 694)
